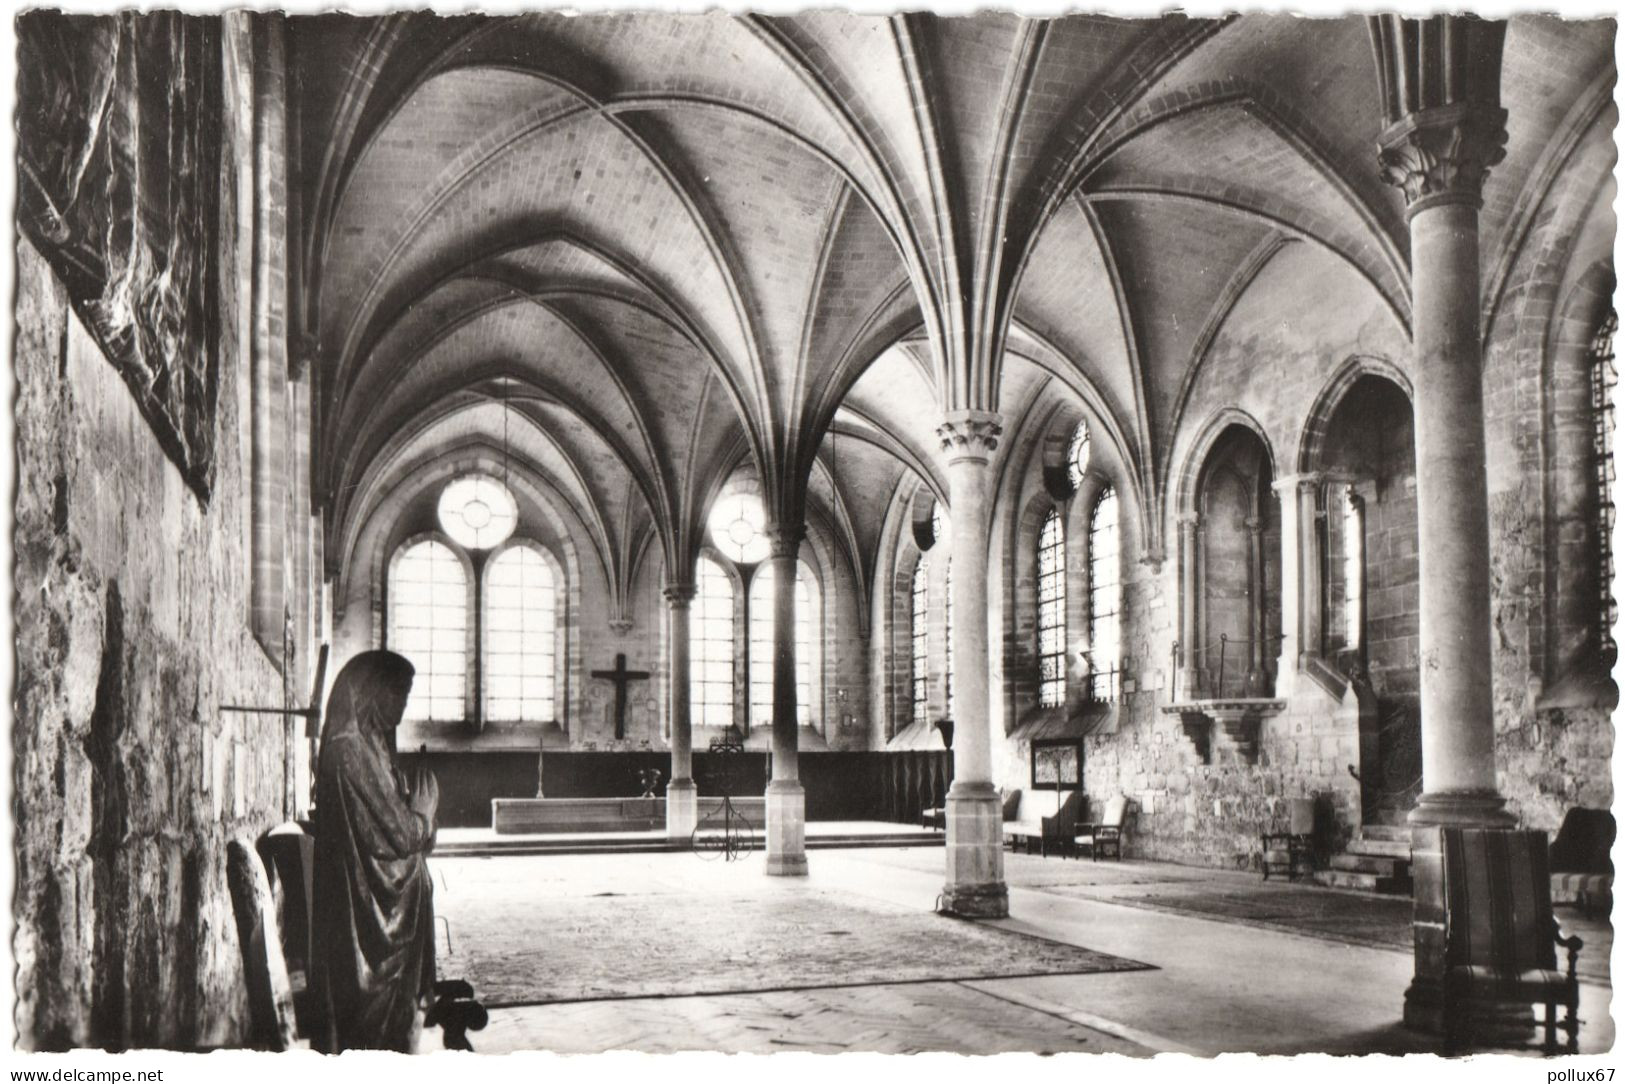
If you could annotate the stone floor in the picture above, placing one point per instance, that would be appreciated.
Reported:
(1237, 965)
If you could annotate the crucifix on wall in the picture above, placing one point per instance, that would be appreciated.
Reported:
(621, 676)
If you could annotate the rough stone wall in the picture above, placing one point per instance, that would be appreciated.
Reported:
(1554, 731)
(131, 607)
(1393, 595)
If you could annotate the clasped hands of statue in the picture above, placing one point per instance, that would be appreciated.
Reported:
(421, 791)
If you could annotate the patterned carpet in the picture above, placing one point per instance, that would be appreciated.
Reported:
(522, 941)
(1244, 898)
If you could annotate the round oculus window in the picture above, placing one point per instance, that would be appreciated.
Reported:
(737, 526)
(478, 512)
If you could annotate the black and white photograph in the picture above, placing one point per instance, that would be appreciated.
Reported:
(833, 531)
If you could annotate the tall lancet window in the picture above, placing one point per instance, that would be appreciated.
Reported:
(1052, 612)
(428, 623)
(1604, 378)
(521, 603)
(711, 647)
(1353, 568)
(761, 648)
(1105, 598)
(919, 659)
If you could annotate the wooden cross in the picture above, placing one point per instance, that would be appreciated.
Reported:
(621, 676)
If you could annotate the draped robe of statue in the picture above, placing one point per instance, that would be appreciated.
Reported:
(374, 913)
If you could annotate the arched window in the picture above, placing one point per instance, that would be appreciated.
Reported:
(428, 623)
(761, 647)
(919, 593)
(1105, 641)
(948, 621)
(1052, 611)
(1353, 567)
(1077, 455)
(521, 601)
(1604, 377)
(711, 647)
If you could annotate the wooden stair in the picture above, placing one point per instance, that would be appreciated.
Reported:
(1378, 860)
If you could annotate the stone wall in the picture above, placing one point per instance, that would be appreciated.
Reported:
(1273, 370)
(1553, 701)
(131, 609)
(1554, 734)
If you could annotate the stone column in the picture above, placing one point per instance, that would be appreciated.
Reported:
(1458, 725)
(682, 798)
(786, 800)
(1445, 129)
(1256, 575)
(975, 877)
(1190, 611)
(1311, 556)
(1300, 578)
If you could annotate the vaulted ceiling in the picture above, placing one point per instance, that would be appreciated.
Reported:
(664, 245)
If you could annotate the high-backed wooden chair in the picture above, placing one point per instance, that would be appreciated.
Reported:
(1057, 829)
(1105, 836)
(288, 853)
(270, 997)
(1285, 852)
(1500, 936)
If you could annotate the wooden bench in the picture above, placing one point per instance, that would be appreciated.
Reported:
(1500, 936)
(1048, 831)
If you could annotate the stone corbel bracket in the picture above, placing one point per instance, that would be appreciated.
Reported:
(1226, 727)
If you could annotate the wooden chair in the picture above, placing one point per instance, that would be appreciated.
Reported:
(270, 997)
(1296, 844)
(1107, 834)
(1500, 936)
(288, 853)
(1582, 872)
(1058, 829)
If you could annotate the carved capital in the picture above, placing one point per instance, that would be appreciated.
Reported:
(620, 626)
(678, 595)
(970, 434)
(784, 541)
(1307, 482)
(1443, 154)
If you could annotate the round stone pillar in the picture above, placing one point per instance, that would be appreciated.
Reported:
(975, 877)
(682, 797)
(1259, 573)
(1439, 155)
(1190, 679)
(786, 800)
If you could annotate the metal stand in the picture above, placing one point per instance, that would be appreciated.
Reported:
(725, 833)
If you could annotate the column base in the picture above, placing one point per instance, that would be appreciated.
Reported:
(1485, 1020)
(786, 829)
(975, 887)
(682, 809)
(1461, 810)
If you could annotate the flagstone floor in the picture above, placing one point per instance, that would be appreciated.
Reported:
(1266, 968)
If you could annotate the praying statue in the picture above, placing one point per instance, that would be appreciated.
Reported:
(374, 914)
